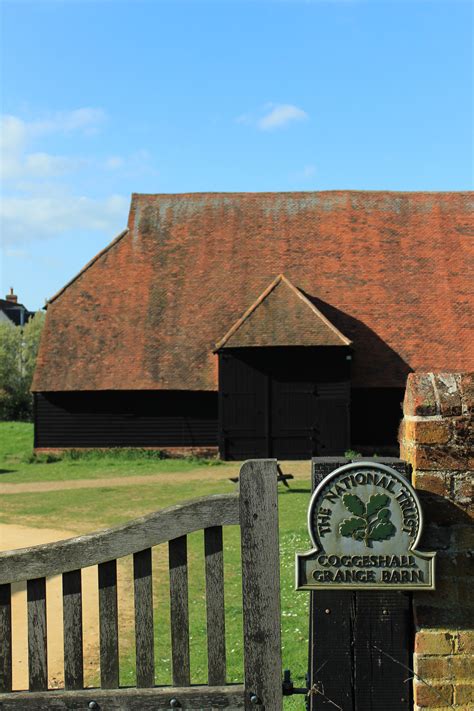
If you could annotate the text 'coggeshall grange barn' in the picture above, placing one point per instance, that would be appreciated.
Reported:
(258, 325)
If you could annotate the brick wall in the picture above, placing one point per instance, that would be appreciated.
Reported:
(437, 437)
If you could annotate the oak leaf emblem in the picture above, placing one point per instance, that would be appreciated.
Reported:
(370, 521)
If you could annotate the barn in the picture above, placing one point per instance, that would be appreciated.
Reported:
(258, 324)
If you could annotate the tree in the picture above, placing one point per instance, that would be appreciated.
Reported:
(18, 351)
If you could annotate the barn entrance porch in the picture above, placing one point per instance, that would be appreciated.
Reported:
(284, 380)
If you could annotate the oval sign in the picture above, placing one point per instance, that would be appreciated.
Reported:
(365, 521)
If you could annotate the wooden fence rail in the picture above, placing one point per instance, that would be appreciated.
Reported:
(254, 508)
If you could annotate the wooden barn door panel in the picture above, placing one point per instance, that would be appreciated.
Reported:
(309, 419)
(293, 419)
(243, 405)
(333, 419)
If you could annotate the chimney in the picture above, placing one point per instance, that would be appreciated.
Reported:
(13, 298)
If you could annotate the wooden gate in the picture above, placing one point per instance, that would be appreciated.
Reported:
(254, 508)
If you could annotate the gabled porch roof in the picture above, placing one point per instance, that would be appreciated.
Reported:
(282, 316)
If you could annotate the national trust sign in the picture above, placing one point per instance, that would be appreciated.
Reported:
(365, 521)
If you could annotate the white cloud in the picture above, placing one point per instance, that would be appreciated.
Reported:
(40, 217)
(44, 165)
(281, 115)
(273, 116)
(14, 132)
(41, 194)
(86, 120)
(16, 135)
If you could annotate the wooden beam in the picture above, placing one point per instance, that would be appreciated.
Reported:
(37, 645)
(108, 623)
(94, 548)
(215, 605)
(261, 584)
(157, 699)
(144, 633)
(6, 638)
(72, 621)
(178, 560)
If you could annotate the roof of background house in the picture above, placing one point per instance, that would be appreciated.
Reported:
(391, 271)
(17, 313)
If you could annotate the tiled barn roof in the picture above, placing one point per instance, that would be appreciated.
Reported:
(391, 271)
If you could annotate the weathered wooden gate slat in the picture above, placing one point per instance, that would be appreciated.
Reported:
(261, 583)
(108, 625)
(157, 699)
(178, 561)
(144, 636)
(37, 650)
(72, 622)
(6, 637)
(216, 659)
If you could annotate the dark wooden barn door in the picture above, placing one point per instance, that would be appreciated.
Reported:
(332, 434)
(293, 418)
(274, 402)
(308, 419)
(243, 404)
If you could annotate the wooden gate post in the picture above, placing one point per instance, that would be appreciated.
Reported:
(360, 641)
(261, 584)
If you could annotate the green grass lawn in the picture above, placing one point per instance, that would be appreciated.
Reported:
(17, 464)
(87, 509)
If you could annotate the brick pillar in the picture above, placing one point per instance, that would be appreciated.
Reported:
(436, 437)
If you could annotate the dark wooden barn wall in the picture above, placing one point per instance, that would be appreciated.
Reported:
(175, 419)
(126, 419)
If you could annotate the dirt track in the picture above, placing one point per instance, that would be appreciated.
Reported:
(32, 487)
(300, 470)
(20, 537)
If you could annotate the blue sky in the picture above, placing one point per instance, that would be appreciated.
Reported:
(102, 99)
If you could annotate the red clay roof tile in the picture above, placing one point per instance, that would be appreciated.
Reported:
(391, 271)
